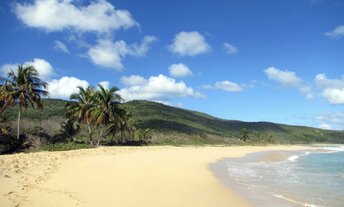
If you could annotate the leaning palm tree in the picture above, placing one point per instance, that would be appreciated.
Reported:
(24, 88)
(79, 108)
(107, 108)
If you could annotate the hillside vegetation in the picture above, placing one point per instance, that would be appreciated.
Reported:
(169, 123)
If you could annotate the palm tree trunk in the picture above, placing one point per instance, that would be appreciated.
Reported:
(90, 132)
(122, 137)
(18, 127)
(100, 136)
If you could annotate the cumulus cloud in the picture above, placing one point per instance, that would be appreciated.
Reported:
(65, 86)
(230, 49)
(44, 68)
(179, 70)
(133, 80)
(189, 44)
(105, 84)
(334, 95)
(338, 32)
(226, 86)
(109, 54)
(285, 77)
(60, 46)
(157, 88)
(57, 15)
(289, 79)
(331, 120)
(333, 89)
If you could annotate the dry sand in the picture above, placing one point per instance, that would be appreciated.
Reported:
(120, 176)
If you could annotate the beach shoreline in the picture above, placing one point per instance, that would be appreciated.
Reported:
(123, 176)
(256, 197)
(284, 178)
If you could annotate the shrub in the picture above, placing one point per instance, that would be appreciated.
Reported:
(35, 137)
(62, 146)
(8, 141)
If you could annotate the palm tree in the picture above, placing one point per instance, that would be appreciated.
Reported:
(5, 96)
(79, 108)
(107, 108)
(244, 134)
(2, 94)
(144, 134)
(123, 127)
(120, 124)
(69, 129)
(95, 107)
(24, 88)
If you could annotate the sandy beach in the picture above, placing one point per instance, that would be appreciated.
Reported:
(121, 176)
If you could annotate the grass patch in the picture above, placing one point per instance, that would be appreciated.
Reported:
(64, 146)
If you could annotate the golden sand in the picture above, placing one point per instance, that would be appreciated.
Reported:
(120, 176)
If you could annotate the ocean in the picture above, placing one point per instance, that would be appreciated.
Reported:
(309, 178)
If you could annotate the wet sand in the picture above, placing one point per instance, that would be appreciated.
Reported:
(254, 195)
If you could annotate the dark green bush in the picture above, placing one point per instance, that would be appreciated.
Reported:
(9, 143)
(8, 140)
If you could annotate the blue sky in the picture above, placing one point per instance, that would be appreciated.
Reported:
(279, 61)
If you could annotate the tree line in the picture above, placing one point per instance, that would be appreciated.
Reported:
(98, 109)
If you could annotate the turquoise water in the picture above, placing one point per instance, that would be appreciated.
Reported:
(304, 179)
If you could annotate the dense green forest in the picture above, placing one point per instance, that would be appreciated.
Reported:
(171, 125)
(97, 116)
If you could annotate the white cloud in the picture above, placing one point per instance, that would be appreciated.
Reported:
(179, 70)
(325, 126)
(230, 49)
(44, 68)
(225, 85)
(228, 86)
(133, 80)
(109, 54)
(78, 40)
(331, 120)
(333, 89)
(60, 46)
(189, 44)
(142, 48)
(322, 81)
(65, 86)
(158, 88)
(56, 15)
(338, 32)
(285, 77)
(289, 79)
(105, 84)
(334, 95)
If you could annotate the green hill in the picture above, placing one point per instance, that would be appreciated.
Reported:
(170, 121)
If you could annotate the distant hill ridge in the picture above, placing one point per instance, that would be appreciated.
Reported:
(168, 119)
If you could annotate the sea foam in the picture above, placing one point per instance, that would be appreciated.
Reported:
(334, 148)
(293, 158)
